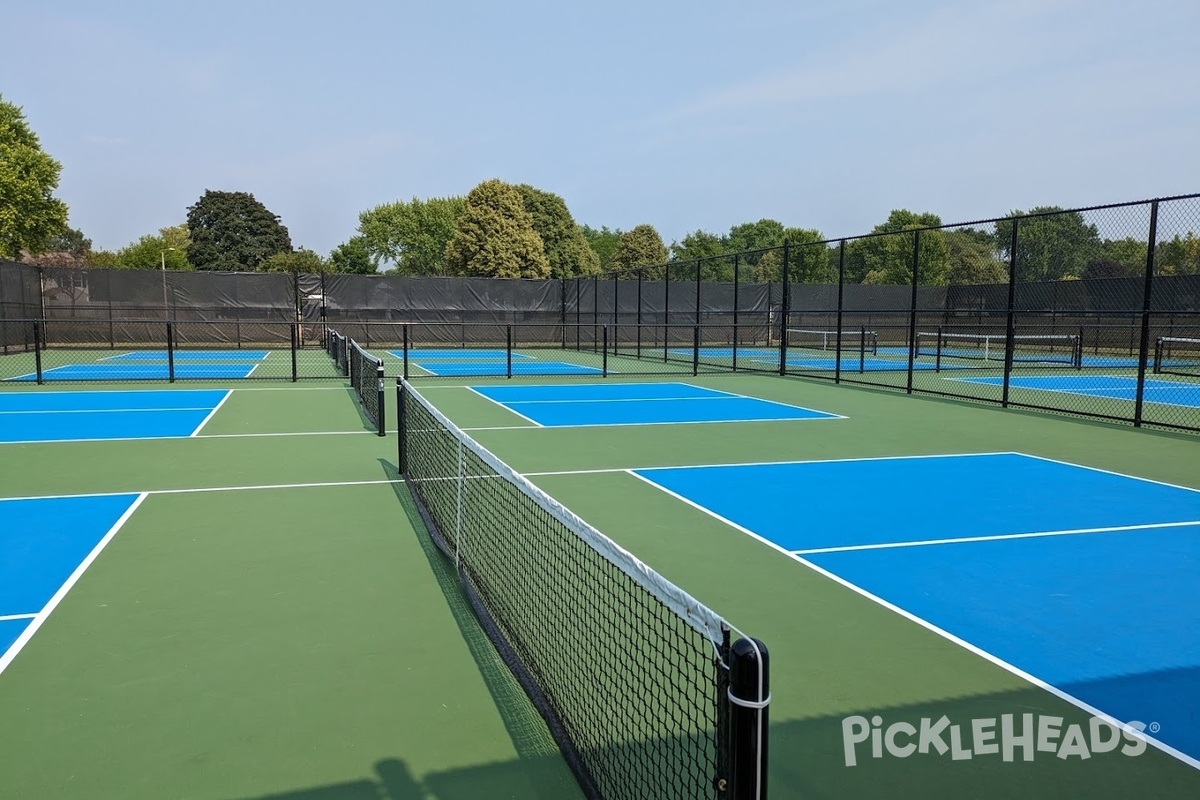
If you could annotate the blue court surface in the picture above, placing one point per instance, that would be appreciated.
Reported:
(75, 416)
(1087, 581)
(191, 356)
(42, 543)
(581, 405)
(110, 371)
(1116, 387)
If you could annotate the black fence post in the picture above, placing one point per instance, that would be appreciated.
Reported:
(1144, 348)
(616, 313)
(37, 349)
(698, 263)
(1010, 325)
(170, 352)
(639, 313)
(666, 311)
(912, 309)
(841, 279)
(750, 698)
(562, 282)
(785, 310)
(736, 331)
(404, 334)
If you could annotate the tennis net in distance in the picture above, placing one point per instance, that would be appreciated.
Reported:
(366, 378)
(852, 341)
(1049, 349)
(637, 681)
(1177, 355)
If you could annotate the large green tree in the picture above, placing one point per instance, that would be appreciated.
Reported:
(1052, 244)
(566, 248)
(30, 215)
(642, 246)
(973, 258)
(887, 255)
(495, 237)
(412, 236)
(170, 246)
(300, 260)
(707, 248)
(603, 242)
(1179, 255)
(233, 231)
(353, 256)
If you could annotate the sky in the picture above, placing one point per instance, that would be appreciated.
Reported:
(683, 115)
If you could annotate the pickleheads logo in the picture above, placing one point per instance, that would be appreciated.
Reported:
(1007, 736)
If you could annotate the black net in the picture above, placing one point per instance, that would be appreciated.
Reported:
(628, 670)
(1177, 355)
(366, 378)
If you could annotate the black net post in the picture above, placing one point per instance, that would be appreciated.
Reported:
(695, 350)
(295, 326)
(604, 357)
(170, 352)
(750, 696)
(862, 349)
(937, 359)
(404, 335)
(1144, 348)
(381, 417)
(37, 348)
(912, 309)
(508, 351)
(401, 427)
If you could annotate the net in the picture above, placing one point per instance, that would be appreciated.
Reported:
(335, 344)
(853, 341)
(1051, 349)
(366, 378)
(1174, 355)
(630, 672)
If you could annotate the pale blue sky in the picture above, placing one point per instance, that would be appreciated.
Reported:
(683, 115)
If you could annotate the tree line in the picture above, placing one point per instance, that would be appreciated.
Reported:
(519, 231)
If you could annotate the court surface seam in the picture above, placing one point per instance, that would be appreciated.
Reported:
(203, 489)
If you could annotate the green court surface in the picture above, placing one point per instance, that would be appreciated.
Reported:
(273, 622)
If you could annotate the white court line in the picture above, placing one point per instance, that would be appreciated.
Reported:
(11, 617)
(978, 651)
(513, 411)
(993, 538)
(204, 421)
(207, 489)
(40, 618)
(755, 463)
(106, 410)
(1109, 472)
(184, 438)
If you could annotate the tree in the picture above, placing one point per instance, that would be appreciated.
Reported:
(886, 256)
(495, 237)
(352, 256)
(301, 260)
(1128, 252)
(170, 247)
(412, 236)
(1052, 244)
(808, 258)
(603, 242)
(30, 216)
(1180, 255)
(973, 260)
(566, 248)
(68, 248)
(1104, 268)
(707, 248)
(640, 247)
(233, 231)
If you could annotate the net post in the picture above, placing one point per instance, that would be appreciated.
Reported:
(1144, 346)
(750, 698)
(508, 351)
(604, 358)
(862, 349)
(937, 364)
(37, 350)
(1158, 355)
(379, 393)
(295, 326)
(1077, 351)
(695, 351)
(401, 428)
(912, 310)
(404, 335)
(170, 352)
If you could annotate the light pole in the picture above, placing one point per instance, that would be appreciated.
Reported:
(162, 254)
